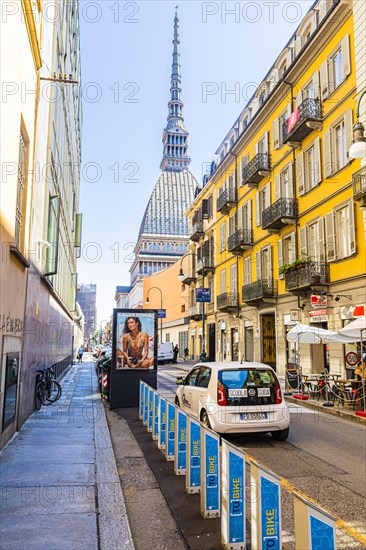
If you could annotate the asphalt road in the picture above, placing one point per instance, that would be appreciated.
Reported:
(324, 457)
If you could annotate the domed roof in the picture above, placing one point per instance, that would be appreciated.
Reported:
(172, 195)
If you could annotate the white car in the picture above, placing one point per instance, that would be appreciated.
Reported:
(235, 398)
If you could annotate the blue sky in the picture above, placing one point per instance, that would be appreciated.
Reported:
(126, 53)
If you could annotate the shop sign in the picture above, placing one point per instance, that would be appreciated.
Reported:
(294, 315)
(319, 316)
(318, 301)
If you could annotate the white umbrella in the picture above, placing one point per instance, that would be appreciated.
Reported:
(315, 335)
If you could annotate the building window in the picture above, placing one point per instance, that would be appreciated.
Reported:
(222, 281)
(286, 251)
(337, 68)
(222, 237)
(21, 192)
(247, 271)
(264, 264)
(262, 201)
(340, 232)
(340, 145)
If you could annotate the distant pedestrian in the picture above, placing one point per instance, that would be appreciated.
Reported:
(186, 354)
(80, 354)
(175, 352)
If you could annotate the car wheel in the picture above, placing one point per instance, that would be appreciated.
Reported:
(281, 435)
(177, 401)
(205, 420)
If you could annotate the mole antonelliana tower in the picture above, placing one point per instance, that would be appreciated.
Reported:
(164, 233)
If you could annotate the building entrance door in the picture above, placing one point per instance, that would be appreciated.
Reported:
(211, 342)
(269, 340)
(234, 344)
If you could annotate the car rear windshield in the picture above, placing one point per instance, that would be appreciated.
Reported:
(245, 387)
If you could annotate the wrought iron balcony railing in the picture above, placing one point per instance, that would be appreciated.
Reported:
(226, 200)
(279, 214)
(205, 264)
(241, 240)
(227, 301)
(197, 231)
(259, 290)
(189, 276)
(359, 186)
(195, 311)
(303, 120)
(257, 168)
(306, 276)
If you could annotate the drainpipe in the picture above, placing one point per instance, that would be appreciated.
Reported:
(236, 227)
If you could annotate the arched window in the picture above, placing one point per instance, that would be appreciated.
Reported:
(181, 248)
(154, 247)
(168, 248)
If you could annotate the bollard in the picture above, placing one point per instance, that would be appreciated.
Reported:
(210, 473)
(180, 451)
(155, 430)
(146, 395)
(150, 404)
(193, 464)
(162, 423)
(170, 431)
(314, 527)
(266, 508)
(141, 400)
(233, 532)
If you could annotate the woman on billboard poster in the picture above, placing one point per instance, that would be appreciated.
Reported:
(133, 351)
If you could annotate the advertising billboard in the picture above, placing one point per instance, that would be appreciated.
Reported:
(134, 340)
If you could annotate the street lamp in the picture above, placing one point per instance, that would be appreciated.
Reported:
(181, 279)
(358, 146)
(161, 307)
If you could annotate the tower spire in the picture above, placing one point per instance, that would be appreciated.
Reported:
(175, 137)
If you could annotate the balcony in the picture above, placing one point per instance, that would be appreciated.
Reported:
(195, 312)
(305, 277)
(226, 201)
(197, 231)
(359, 186)
(189, 276)
(256, 169)
(279, 214)
(205, 264)
(228, 302)
(259, 291)
(241, 240)
(306, 118)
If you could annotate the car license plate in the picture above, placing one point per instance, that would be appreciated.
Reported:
(253, 416)
(264, 392)
(238, 393)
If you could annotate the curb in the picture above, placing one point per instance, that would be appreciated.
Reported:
(327, 410)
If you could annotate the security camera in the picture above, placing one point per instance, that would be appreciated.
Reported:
(337, 298)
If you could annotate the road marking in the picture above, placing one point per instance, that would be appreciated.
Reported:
(340, 522)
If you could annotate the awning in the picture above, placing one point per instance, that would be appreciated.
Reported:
(315, 335)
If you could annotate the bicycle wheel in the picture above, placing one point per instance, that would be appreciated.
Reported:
(39, 396)
(54, 391)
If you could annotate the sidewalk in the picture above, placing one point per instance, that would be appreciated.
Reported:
(59, 483)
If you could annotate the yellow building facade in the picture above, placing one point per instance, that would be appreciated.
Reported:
(277, 231)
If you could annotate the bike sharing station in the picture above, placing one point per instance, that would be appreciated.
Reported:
(134, 355)
(218, 474)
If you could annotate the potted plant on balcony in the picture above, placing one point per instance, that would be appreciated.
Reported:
(301, 262)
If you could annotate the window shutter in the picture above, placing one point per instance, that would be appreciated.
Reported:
(241, 217)
(267, 195)
(318, 169)
(257, 212)
(327, 152)
(321, 239)
(256, 147)
(247, 271)
(349, 129)
(290, 167)
(315, 79)
(292, 254)
(298, 98)
(330, 237)
(352, 227)
(303, 243)
(300, 174)
(346, 60)
(280, 258)
(249, 221)
(277, 187)
(288, 110)
(269, 270)
(258, 266)
(267, 142)
(324, 80)
(276, 133)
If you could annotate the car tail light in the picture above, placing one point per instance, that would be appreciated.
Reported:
(278, 394)
(221, 396)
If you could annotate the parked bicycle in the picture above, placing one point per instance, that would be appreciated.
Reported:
(47, 390)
